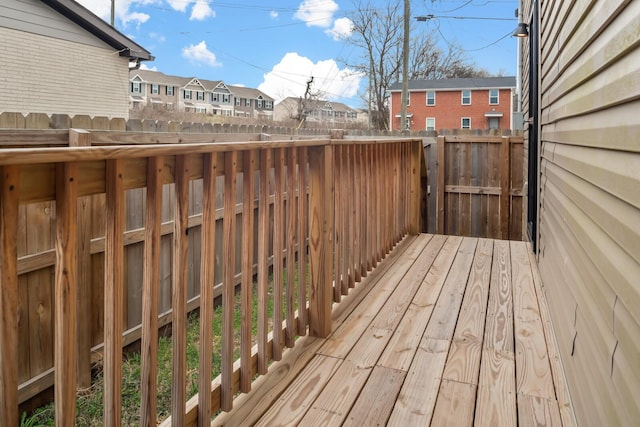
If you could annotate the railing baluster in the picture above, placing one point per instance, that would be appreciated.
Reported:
(229, 271)
(246, 289)
(113, 292)
(302, 241)
(179, 294)
(207, 264)
(344, 219)
(150, 284)
(290, 331)
(263, 258)
(9, 197)
(66, 274)
(339, 229)
(278, 231)
(350, 211)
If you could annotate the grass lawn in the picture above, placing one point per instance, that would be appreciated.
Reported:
(89, 407)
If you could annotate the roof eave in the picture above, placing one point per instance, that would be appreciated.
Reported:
(105, 32)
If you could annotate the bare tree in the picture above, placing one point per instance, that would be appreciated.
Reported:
(378, 33)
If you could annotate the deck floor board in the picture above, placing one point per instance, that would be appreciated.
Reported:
(453, 332)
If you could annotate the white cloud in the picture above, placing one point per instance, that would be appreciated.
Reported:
(157, 37)
(273, 14)
(179, 5)
(201, 11)
(123, 9)
(199, 53)
(317, 13)
(342, 28)
(328, 79)
(144, 66)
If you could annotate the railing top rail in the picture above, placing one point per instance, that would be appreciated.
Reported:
(40, 155)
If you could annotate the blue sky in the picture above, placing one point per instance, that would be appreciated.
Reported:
(277, 45)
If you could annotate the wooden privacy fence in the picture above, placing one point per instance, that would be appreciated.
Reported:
(476, 186)
(363, 197)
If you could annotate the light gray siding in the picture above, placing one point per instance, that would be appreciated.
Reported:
(589, 225)
(49, 75)
(35, 17)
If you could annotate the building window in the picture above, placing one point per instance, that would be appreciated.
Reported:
(268, 105)
(431, 123)
(237, 102)
(170, 90)
(169, 105)
(201, 110)
(247, 102)
(214, 97)
(466, 97)
(259, 103)
(466, 123)
(155, 89)
(200, 96)
(431, 98)
(494, 99)
(135, 87)
(226, 98)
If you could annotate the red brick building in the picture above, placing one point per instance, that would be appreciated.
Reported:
(470, 103)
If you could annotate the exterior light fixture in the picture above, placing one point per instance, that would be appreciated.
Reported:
(522, 30)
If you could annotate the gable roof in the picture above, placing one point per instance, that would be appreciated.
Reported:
(317, 104)
(149, 76)
(248, 93)
(96, 26)
(461, 83)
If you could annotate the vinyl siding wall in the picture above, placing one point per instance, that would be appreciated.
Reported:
(589, 200)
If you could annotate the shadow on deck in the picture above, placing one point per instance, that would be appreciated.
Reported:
(446, 331)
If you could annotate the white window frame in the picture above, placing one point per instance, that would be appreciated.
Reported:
(462, 126)
(200, 95)
(462, 97)
(155, 89)
(214, 97)
(247, 102)
(188, 94)
(226, 98)
(136, 87)
(431, 92)
(170, 90)
(497, 96)
(427, 123)
(237, 102)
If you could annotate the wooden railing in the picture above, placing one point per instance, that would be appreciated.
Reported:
(362, 198)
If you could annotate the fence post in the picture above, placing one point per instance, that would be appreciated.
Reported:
(441, 178)
(9, 199)
(321, 228)
(82, 138)
(505, 181)
(415, 194)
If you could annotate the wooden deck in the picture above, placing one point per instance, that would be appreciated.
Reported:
(445, 331)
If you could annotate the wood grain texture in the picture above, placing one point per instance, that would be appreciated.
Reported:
(179, 291)
(302, 241)
(150, 285)
(455, 404)
(246, 288)
(207, 275)
(113, 293)
(278, 248)
(417, 397)
(294, 403)
(290, 261)
(440, 218)
(321, 226)
(532, 361)
(66, 285)
(263, 255)
(229, 262)
(9, 196)
(375, 402)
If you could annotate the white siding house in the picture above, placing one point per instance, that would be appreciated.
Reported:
(59, 58)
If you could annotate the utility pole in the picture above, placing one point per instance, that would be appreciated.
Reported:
(113, 13)
(405, 66)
